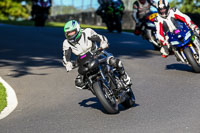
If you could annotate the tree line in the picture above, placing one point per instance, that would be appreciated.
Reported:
(187, 6)
(12, 9)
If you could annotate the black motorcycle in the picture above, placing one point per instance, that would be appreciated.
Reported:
(104, 81)
(112, 16)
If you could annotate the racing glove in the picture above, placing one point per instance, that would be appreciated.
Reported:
(95, 38)
(68, 66)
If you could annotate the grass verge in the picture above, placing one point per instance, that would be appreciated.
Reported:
(55, 24)
(58, 24)
(3, 102)
(25, 23)
(48, 24)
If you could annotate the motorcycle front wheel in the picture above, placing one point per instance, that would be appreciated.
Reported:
(191, 59)
(109, 26)
(40, 22)
(130, 99)
(118, 25)
(106, 99)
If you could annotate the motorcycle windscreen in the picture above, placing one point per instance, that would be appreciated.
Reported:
(83, 59)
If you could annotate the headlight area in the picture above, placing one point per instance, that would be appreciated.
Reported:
(174, 43)
(188, 35)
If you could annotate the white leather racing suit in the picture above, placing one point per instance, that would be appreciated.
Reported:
(163, 25)
(84, 45)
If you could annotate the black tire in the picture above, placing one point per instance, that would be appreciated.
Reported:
(40, 21)
(119, 26)
(130, 100)
(190, 57)
(106, 103)
(109, 27)
(37, 23)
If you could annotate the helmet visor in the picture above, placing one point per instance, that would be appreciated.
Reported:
(71, 34)
(163, 10)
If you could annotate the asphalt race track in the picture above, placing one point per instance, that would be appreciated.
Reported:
(167, 92)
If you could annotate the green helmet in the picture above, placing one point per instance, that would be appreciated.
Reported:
(72, 26)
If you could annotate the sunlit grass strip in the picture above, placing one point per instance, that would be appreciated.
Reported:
(49, 24)
(54, 24)
(58, 24)
(3, 102)
(93, 26)
(24, 23)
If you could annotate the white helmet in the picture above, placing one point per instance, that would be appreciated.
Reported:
(163, 8)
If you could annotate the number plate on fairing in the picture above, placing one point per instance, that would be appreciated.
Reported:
(152, 16)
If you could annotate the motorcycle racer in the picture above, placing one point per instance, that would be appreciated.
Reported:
(166, 21)
(40, 3)
(80, 41)
(140, 9)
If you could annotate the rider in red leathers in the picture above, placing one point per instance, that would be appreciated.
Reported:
(165, 22)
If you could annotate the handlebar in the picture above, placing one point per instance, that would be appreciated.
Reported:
(74, 64)
(97, 54)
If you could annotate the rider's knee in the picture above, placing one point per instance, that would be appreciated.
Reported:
(115, 62)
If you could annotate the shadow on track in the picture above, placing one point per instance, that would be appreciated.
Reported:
(92, 103)
(23, 48)
(128, 45)
(180, 67)
(95, 104)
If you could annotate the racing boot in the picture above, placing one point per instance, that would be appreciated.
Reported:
(79, 82)
(164, 51)
(119, 66)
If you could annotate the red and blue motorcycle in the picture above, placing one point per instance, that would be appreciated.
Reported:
(186, 45)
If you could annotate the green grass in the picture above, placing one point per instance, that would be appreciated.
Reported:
(48, 24)
(58, 24)
(3, 102)
(25, 23)
(54, 24)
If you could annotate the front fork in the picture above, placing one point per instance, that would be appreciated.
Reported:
(195, 50)
(150, 37)
(197, 45)
(106, 82)
(110, 85)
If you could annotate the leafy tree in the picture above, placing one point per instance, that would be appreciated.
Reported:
(187, 6)
(10, 9)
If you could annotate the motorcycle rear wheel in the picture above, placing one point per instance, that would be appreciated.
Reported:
(110, 105)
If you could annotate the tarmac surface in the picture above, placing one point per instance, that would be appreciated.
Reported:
(167, 92)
